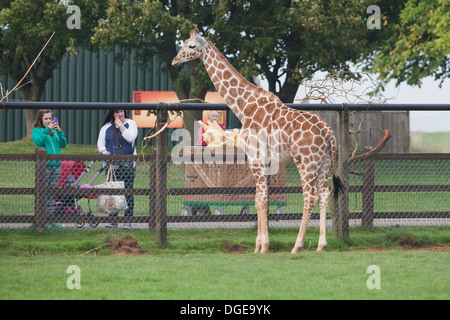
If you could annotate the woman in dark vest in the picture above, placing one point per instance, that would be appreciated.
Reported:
(120, 142)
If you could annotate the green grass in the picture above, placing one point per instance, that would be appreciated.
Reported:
(197, 265)
(430, 142)
(27, 146)
(230, 277)
(55, 242)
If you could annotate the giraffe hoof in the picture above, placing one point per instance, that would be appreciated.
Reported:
(320, 249)
(262, 250)
(295, 250)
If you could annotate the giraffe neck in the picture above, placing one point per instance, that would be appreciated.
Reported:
(235, 90)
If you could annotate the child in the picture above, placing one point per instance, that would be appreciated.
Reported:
(212, 116)
(48, 134)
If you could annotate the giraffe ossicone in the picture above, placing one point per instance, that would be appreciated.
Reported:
(272, 133)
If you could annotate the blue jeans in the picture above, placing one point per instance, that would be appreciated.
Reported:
(52, 182)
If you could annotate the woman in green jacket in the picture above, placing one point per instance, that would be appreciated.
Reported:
(48, 134)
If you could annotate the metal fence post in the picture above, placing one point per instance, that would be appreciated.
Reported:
(40, 189)
(152, 201)
(161, 175)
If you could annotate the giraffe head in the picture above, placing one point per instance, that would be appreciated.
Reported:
(193, 48)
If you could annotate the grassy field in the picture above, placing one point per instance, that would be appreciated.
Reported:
(219, 265)
(414, 263)
(430, 142)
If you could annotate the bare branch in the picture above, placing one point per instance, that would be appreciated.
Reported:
(29, 69)
(374, 150)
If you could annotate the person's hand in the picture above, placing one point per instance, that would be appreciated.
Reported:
(57, 126)
(117, 121)
(54, 125)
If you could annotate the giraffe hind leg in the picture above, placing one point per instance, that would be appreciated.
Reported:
(324, 193)
(310, 198)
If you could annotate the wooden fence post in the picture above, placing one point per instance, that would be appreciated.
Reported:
(152, 202)
(161, 175)
(368, 192)
(340, 223)
(40, 189)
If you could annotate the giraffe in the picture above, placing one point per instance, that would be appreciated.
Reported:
(272, 134)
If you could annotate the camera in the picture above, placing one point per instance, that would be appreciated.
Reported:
(54, 119)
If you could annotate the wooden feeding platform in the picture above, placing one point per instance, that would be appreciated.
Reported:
(229, 173)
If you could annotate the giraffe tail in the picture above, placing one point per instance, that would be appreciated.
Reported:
(337, 182)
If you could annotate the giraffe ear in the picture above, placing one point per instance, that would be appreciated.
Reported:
(193, 33)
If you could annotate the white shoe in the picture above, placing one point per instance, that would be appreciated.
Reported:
(111, 225)
(127, 226)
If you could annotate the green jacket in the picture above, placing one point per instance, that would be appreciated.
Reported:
(51, 143)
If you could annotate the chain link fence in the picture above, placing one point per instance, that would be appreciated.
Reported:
(40, 192)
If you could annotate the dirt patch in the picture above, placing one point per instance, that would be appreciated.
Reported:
(232, 247)
(408, 242)
(372, 249)
(125, 246)
(443, 248)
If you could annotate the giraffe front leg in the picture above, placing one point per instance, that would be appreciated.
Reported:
(261, 204)
(262, 238)
(258, 238)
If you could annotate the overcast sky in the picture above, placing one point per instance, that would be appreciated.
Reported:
(428, 93)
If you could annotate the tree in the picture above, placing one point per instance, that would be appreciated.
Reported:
(26, 25)
(154, 27)
(275, 38)
(294, 39)
(419, 45)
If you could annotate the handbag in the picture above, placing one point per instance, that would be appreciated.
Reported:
(111, 203)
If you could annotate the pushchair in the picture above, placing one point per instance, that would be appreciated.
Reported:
(72, 172)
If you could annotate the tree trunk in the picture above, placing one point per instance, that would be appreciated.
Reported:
(32, 92)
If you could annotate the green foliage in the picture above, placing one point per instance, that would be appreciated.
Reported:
(151, 26)
(273, 38)
(293, 38)
(419, 45)
(27, 25)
